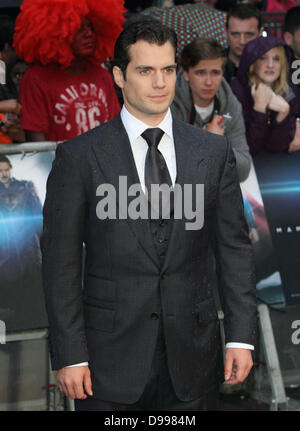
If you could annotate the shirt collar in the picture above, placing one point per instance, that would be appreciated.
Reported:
(135, 127)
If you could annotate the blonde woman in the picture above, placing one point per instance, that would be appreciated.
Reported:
(264, 88)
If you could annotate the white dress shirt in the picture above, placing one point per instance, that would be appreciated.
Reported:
(139, 147)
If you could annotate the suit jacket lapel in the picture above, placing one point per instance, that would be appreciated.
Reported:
(115, 159)
(192, 162)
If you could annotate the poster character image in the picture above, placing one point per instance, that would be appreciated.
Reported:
(22, 184)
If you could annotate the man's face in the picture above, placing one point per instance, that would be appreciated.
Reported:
(293, 40)
(9, 55)
(5, 173)
(149, 85)
(204, 80)
(17, 73)
(239, 33)
(84, 42)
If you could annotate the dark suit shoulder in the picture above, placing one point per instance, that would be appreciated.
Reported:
(201, 139)
(80, 145)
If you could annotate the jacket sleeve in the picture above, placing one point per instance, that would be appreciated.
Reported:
(236, 135)
(255, 122)
(234, 259)
(256, 130)
(283, 133)
(61, 243)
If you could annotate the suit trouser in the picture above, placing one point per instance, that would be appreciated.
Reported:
(158, 393)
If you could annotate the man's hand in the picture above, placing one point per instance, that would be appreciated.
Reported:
(75, 381)
(213, 126)
(238, 363)
(10, 105)
(13, 129)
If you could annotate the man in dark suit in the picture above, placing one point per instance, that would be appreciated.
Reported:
(143, 332)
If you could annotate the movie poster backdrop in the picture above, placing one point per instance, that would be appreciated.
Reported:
(22, 194)
(278, 176)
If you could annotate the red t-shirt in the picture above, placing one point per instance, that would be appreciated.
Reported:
(62, 105)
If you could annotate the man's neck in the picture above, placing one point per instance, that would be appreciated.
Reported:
(203, 103)
(6, 185)
(77, 66)
(151, 120)
(235, 60)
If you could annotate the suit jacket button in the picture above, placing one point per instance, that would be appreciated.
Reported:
(154, 316)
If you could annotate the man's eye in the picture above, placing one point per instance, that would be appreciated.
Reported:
(170, 70)
(144, 71)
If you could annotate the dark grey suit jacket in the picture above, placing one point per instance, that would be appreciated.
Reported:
(108, 322)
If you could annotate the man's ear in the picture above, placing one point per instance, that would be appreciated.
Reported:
(288, 38)
(118, 76)
(186, 75)
(260, 31)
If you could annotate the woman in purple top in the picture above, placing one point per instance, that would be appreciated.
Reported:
(264, 88)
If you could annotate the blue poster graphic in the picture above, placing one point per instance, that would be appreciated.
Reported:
(22, 194)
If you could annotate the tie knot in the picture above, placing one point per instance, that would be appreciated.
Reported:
(153, 136)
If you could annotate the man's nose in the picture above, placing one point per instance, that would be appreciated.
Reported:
(208, 79)
(88, 31)
(242, 40)
(159, 80)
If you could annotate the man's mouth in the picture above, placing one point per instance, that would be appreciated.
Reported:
(158, 97)
(88, 44)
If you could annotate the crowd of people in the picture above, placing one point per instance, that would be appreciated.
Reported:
(245, 91)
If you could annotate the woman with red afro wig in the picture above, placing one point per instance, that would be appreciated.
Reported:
(66, 91)
(45, 29)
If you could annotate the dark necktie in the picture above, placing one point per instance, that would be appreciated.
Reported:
(156, 170)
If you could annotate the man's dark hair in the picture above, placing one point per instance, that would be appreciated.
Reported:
(292, 20)
(201, 49)
(244, 11)
(4, 159)
(149, 30)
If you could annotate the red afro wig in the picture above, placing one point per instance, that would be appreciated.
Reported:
(45, 29)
